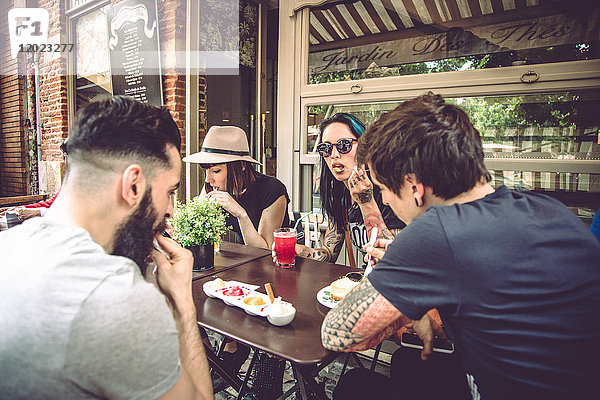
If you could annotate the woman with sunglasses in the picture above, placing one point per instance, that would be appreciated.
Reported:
(348, 197)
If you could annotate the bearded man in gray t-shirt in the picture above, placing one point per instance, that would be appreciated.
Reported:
(77, 317)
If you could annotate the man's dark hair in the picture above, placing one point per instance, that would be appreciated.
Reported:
(430, 138)
(335, 197)
(120, 127)
(240, 176)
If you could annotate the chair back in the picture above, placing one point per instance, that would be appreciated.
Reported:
(312, 229)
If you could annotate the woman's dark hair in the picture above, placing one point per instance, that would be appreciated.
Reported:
(335, 197)
(240, 176)
(430, 138)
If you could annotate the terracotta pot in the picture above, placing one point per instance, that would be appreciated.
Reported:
(204, 256)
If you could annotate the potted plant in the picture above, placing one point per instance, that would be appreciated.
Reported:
(197, 225)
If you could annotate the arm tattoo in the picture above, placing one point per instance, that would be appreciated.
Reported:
(321, 254)
(333, 242)
(365, 196)
(332, 245)
(360, 321)
(375, 219)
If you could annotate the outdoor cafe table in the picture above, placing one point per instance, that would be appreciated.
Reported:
(231, 255)
(298, 342)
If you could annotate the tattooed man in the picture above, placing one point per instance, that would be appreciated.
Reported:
(513, 275)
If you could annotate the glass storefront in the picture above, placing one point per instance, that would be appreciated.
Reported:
(556, 127)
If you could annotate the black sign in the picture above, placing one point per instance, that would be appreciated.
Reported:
(134, 50)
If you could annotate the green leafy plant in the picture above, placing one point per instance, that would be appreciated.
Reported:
(199, 221)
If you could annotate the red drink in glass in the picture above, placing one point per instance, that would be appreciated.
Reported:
(285, 246)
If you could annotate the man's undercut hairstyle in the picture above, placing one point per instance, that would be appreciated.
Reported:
(430, 138)
(122, 128)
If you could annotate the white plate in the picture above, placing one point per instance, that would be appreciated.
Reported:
(207, 288)
(323, 297)
(232, 300)
(238, 301)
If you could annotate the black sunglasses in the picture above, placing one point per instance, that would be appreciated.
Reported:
(343, 146)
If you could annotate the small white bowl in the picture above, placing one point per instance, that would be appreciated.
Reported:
(283, 319)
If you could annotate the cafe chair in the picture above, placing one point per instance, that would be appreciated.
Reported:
(359, 362)
(312, 229)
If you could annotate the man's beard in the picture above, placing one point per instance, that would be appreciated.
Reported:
(135, 236)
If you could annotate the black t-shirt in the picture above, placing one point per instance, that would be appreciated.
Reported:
(358, 231)
(516, 279)
(262, 194)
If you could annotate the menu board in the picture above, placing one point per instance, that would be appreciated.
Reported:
(134, 50)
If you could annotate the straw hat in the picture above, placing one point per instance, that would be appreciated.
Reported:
(222, 144)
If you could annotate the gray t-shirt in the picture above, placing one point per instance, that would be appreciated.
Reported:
(76, 322)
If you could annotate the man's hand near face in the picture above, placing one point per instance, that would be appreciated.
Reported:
(173, 274)
(174, 279)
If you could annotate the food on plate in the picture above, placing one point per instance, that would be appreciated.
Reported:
(254, 301)
(340, 288)
(269, 290)
(217, 283)
(234, 291)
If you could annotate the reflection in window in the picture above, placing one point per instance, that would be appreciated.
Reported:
(547, 126)
(544, 126)
(371, 39)
(92, 61)
(555, 126)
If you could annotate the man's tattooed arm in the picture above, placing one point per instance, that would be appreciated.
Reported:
(332, 245)
(374, 219)
(361, 320)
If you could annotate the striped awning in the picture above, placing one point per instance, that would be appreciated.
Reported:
(352, 19)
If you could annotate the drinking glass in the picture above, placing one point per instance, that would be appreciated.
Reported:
(285, 246)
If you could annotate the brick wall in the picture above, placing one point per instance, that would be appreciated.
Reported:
(172, 17)
(202, 107)
(13, 169)
(171, 13)
(53, 91)
(53, 98)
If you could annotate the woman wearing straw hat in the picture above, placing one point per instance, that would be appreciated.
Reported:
(256, 203)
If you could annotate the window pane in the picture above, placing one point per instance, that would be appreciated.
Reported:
(547, 126)
(544, 126)
(553, 126)
(370, 39)
(92, 61)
